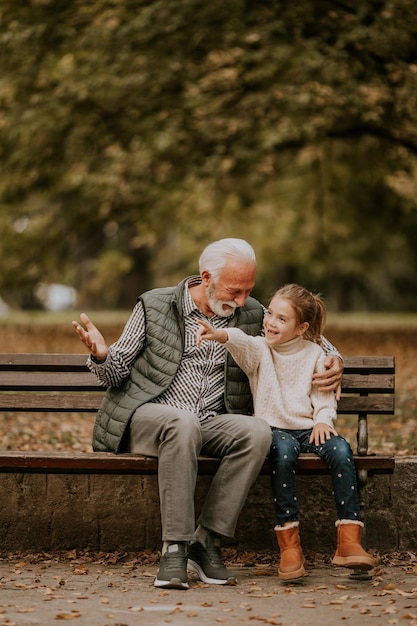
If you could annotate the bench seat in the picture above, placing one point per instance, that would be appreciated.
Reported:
(109, 463)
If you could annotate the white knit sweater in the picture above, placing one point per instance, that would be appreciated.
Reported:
(281, 380)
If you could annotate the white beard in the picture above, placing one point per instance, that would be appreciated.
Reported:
(217, 305)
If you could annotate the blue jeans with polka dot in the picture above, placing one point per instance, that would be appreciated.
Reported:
(285, 448)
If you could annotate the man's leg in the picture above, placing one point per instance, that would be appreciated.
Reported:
(242, 443)
(174, 436)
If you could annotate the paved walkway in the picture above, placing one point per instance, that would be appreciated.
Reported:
(106, 591)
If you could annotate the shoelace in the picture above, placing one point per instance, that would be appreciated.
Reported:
(174, 560)
(213, 553)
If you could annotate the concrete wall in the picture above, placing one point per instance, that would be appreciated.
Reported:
(46, 512)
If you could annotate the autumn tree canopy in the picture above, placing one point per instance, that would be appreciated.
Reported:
(132, 133)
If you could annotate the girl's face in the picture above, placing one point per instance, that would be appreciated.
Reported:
(280, 322)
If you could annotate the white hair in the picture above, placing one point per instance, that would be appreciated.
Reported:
(216, 255)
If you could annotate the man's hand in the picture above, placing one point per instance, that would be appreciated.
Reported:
(208, 332)
(331, 378)
(320, 433)
(91, 338)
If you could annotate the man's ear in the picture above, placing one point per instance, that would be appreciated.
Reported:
(205, 276)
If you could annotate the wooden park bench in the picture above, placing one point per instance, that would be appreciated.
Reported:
(51, 383)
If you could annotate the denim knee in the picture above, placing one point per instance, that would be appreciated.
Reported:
(284, 448)
(336, 451)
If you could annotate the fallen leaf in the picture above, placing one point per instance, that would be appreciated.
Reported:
(390, 610)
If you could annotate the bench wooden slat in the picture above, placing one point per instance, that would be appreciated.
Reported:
(373, 364)
(373, 405)
(108, 463)
(39, 381)
(85, 380)
(42, 362)
(66, 402)
(51, 362)
(372, 383)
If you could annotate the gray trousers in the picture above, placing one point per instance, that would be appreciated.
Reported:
(177, 438)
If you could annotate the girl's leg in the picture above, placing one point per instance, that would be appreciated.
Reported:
(338, 455)
(283, 457)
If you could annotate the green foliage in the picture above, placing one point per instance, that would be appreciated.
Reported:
(134, 132)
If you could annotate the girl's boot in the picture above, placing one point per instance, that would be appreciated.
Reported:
(349, 551)
(292, 559)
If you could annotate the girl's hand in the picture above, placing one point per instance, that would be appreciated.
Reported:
(208, 332)
(321, 433)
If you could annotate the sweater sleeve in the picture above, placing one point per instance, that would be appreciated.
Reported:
(245, 349)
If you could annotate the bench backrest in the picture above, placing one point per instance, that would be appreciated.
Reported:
(62, 383)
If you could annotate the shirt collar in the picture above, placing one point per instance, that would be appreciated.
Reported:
(189, 304)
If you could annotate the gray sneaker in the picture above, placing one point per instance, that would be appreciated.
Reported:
(206, 561)
(172, 572)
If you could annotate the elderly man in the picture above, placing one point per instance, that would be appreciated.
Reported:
(168, 397)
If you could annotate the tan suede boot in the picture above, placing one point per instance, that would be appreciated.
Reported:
(292, 559)
(349, 551)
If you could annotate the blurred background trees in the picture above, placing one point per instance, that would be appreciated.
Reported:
(134, 132)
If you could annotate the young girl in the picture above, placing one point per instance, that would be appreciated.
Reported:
(280, 367)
